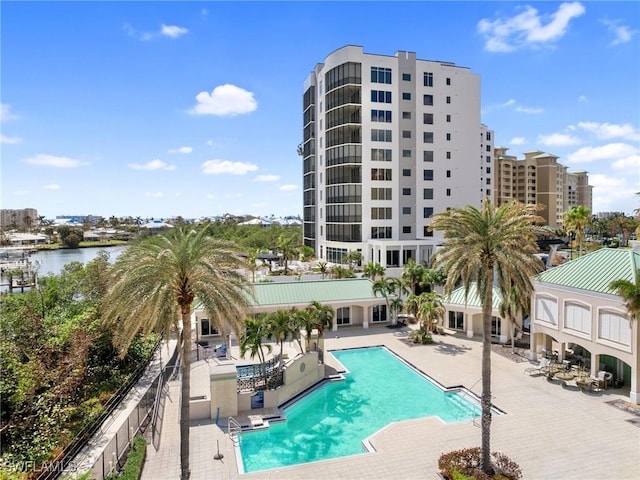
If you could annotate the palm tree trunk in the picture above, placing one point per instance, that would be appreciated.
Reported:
(485, 400)
(185, 395)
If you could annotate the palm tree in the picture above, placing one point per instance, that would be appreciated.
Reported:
(154, 284)
(280, 326)
(413, 275)
(576, 220)
(481, 244)
(252, 257)
(321, 317)
(285, 247)
(430, 310)
(323, 269)
(630, 293)
(251, 340)
(385, 288)
(373, 270)
(352, 258)
(513, 304)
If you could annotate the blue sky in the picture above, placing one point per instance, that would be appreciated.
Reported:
(157, 109)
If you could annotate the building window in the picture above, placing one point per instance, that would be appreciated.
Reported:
(488, 148)
(406, 172)
(406, 134)
(448, 82)
(427, 137)
(406, 96)
(448, 118)
(381, 174)
(381, 194)
(380, 155)
(427, 156)
(406, 191)
(448, 173)
(428, 175)
(448, 192)
(488, 169)
(488, 158)
(427, 232)
(456, 320)
(406, 115)
(427, 118)
(380, 232)
(380, 135)
(406, 153)
(488, 192)
(428, 79)
(488, 136)
(427, 100)
(380, 75)
(448, 136)
(381, 213)
(206, 328)
(406, 77)
(343, 316)
(380, 96)
(448, 155)
(406, 229)
(428, 194)
(381, 116)
(379, 313)
(427, 212)
(488, 181)
(406, 210)
(448, 99)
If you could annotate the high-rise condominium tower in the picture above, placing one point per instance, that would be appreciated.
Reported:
(388, 141)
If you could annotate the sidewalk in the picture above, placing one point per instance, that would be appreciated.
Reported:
(164, 462)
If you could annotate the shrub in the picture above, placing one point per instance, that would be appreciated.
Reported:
(465, 464)
(135, 461)
(421, 336)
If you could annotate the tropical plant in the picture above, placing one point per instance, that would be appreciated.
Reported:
(285, 247)
(323, 268)
(385, 288)
(339, 272)
(630, 293)
(512, 306)
(280, 326)
(480, 245)
(252, 340)
(373, 270)
(352, 258)
(396, 305)
(576, 220)
(321, 317)
(413, 275)
(430, 310)
(155, 282)
(252, 258)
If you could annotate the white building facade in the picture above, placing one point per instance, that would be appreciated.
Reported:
(388, 141)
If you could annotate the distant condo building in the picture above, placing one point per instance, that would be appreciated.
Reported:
(387, 142)
(539, 178)
(22, 219)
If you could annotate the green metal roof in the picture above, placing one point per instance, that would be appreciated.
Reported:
(457, 297)
(324, 291)
(594, 271)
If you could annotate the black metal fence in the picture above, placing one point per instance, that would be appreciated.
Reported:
(261, 376)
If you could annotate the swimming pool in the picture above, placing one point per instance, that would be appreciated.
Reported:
(334, 420)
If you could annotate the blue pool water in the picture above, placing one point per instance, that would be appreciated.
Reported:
(333, 420)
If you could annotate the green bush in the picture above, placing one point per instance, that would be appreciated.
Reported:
(135, 461)
(465, 464)
(421, 336)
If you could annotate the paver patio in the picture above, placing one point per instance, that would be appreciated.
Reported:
(551, 432)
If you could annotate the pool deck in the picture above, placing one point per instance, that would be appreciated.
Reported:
(550, 431)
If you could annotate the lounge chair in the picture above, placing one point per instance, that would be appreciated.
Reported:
(600, 380)
(542, 367)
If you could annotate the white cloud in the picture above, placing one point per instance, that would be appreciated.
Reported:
(210, 196)
(224, 100)
(582, 98)
(558, 140)
(267, 178)
(173, 31)
(518, 141)
(181, 150)
(219, 167)
(52, 186)
(528, 28)
(6, 113)
(529, 110)
(622, 33)
(54, 161)
(288, 188)
(628, 164)
(612, 194)
(610, 152)
(9, 140)
(154, 194)
(608, 131)
(152, 165)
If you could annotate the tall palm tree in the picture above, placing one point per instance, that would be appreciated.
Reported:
(630, 293)
(413, 275)
(576, 220)
(280, 326)
(430, 310)
(154, 284)
(252, 340)
(285, 247)
(480, 245)
(385, 288)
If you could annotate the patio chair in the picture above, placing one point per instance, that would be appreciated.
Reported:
(542, 367)
(600, 380)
